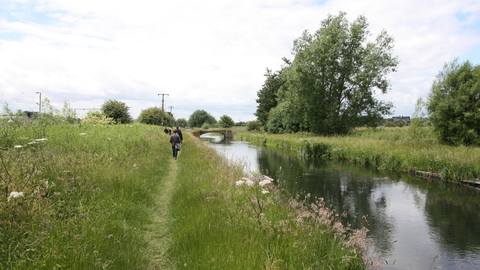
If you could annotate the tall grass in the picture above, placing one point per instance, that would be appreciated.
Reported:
(91, 200)
(219, 223)
(397, 152)
(88, 195)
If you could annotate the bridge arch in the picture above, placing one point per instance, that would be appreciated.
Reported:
(225, 132)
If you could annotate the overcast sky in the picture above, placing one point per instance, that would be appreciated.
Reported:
(208, 55)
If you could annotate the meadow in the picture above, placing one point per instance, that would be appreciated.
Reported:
(112, 197)
(394, 149)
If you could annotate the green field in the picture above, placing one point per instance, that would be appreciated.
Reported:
(112, 197)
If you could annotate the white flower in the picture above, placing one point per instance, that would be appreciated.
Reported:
(32, 142)
(239, 182)
(264, 191)
(15, 194)
(18, 146)
(83, 134)
(265, 182)
(249, 182)
(41, 140)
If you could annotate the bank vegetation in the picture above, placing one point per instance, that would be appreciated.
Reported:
(393, 149)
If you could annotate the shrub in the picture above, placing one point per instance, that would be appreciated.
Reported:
(253, 125)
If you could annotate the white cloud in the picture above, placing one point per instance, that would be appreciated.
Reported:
(205, 56)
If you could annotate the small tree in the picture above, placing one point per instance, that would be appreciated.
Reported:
(200, 117)
(153, 116)
(181, 122)
(254, 125)
(117, 110)
(226, 121)
(454, 104)
(389, 124)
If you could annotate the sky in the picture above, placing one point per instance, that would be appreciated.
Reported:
(206, 55)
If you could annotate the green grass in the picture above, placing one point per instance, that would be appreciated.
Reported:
(219, 225)
(88, 197)
(112, 197)
(382, 150)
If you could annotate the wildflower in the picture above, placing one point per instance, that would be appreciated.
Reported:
(41, 140)
(18, 146)
(247, 181)
(266, 180)
(15, 194)
(264, 191)
(32, 142)
(239, 182)
(83, 134)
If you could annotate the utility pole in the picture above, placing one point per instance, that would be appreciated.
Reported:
(163, 95)
(173, 119)
(39, 104)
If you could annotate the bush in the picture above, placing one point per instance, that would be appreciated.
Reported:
(254, 125)
(97, 118)
(453, 104)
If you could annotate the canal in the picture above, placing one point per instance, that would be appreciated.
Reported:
(414, 223)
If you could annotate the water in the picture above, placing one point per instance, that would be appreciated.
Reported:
(414, 223)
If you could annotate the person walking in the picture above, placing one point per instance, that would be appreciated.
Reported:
(175, 141)
(179, 132)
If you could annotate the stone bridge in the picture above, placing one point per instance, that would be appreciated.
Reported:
(227, 133)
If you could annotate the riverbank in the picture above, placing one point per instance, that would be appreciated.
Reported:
(448, 163)
(221, 221)
(112, 197)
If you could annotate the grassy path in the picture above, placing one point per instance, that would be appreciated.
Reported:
(210, 222)
(158, 235)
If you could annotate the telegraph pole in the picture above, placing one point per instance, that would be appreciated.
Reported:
(163, 95)
(39, 104)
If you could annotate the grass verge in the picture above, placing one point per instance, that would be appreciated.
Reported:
(219, 223)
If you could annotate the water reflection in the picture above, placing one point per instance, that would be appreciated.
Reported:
(410, 220)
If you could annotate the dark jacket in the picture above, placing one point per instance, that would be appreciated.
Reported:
(179, 134)
(174, 139)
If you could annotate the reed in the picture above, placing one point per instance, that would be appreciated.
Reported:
(394, 153)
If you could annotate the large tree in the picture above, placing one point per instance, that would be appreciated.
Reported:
(268, 94)
(200, 117)
(330, 87)
(117, 110)
(454, 104)
(153, 116)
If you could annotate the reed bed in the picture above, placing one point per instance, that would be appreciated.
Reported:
(393, 153)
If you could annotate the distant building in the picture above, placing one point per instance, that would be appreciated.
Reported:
(396, 119)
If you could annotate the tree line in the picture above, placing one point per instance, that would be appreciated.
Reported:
(330, 87)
